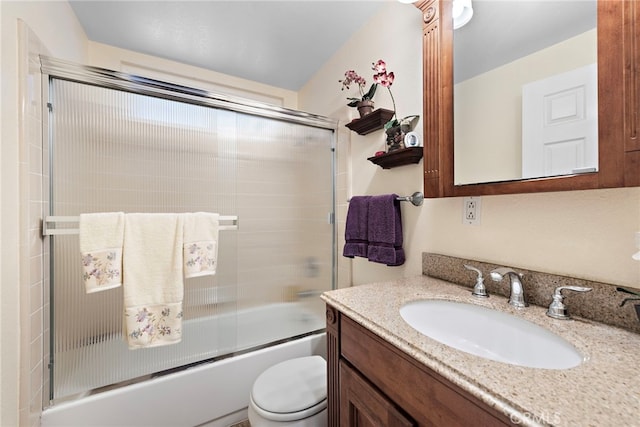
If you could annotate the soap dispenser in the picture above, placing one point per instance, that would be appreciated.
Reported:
(479, 289)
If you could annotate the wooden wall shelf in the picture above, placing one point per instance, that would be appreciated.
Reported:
(404, 156)
(371, 122)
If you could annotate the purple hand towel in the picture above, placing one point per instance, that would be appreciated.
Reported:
(385, 230)
(355, 233)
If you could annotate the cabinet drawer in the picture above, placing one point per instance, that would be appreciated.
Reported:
(426, 396)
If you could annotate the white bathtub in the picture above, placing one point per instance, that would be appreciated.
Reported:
(212, 394)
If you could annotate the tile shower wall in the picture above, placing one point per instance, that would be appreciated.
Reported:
(33, 271)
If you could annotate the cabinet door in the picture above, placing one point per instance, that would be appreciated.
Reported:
(361, 405)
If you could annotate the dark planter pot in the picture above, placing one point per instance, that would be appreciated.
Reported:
(365, 107)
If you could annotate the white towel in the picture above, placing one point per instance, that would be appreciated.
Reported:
(101, 238)
(200, 244)
(153, 283)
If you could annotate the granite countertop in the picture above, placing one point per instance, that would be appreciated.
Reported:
(602, 391)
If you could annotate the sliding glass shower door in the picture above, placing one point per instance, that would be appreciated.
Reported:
(113, 150)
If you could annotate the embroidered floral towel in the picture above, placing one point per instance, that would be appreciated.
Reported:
(200, 244)
(101, 239)
(153, 282)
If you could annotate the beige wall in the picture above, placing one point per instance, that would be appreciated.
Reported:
(587, 234)
(394, 35)
(488, 110)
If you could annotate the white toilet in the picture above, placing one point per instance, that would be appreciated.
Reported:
(291, 393)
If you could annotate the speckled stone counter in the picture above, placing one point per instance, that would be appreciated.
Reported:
(602, 391)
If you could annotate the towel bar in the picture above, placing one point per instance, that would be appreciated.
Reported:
(416, 198)
(48, 222)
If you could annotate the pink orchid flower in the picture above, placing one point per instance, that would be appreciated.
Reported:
(380, 66)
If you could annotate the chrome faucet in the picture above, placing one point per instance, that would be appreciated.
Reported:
(557, 309)
(479, 289)
(516, 296)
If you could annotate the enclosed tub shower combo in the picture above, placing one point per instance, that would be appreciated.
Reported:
(122, 143)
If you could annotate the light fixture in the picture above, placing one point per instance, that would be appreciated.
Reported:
(462, 13)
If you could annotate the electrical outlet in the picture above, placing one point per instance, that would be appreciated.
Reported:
(471, 211)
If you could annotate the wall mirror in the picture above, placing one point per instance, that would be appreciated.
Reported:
(602, 42)
(525, 91)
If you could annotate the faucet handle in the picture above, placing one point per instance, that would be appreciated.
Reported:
(479, 289)
(557, 309)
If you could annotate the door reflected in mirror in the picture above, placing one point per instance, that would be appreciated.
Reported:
(525, 91)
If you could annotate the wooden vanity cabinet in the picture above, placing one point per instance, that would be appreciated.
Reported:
(373, 383)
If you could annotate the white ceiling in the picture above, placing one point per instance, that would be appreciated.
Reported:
(279, 43)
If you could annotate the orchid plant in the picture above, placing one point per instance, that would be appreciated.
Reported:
(351, 77)
(381, 77)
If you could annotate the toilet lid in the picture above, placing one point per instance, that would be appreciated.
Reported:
(295, 385)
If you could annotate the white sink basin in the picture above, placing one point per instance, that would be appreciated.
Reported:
(490, 334)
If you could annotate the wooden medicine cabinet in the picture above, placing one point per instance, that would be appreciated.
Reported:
(618, 59)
